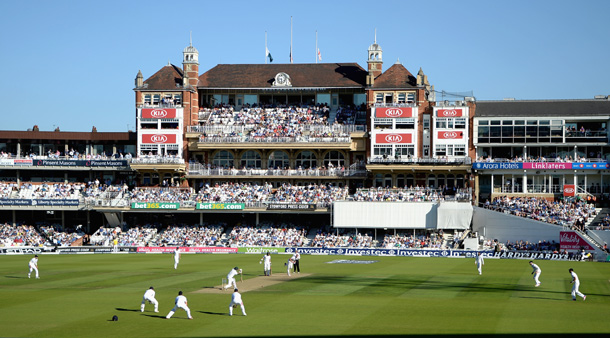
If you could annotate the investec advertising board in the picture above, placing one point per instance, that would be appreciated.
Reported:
(540, 165)
(146, 205)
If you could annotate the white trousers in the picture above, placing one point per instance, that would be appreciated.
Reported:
(152, 300)
(176, 261)
(231, 282)
(575, 291)
(480, 268)
(536, 276)
(243, 309)
(183, 307)
(33, 268)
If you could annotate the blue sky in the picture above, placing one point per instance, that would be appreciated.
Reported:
(72, 64)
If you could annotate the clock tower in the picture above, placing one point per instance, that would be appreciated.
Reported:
(374, 62)
(190, 69)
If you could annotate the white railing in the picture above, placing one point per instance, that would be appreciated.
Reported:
(254, 139)
(243, 129)
(199, 169)
(414, 160)
(157, 160)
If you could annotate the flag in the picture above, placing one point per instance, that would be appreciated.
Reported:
(268, 54)
(291, 55)
(319, 55)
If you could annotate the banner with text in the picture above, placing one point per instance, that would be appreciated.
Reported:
(38, 202)
(571, 240)
(221, 206)
(159, 113)
(393, 138)
(540, 165)
(403, 112)
(146, 205)
(260, 249)
(186, 249)
(295, 207)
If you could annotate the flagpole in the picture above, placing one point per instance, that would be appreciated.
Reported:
(265, 47)
(316, 52)
(291, 39)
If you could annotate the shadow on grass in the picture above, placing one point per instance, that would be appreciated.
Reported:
(213, 313)
(18, 277)
(159, 316)
(131, 310)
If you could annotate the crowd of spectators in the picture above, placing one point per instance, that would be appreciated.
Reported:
(381, 194)
(432, 240)
(189, 235)
(20, 235)
(136, 236)
(314, 194)
(159, 194)
(267, 234)
(7, 188)
(570, 212)
(234, 192)
(60, 238)
(332, 240)
(51, 190)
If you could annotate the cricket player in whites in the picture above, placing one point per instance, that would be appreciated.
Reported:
(576, 285)
(149, 296)
(289, 265)
(181, 303)
(33, 266)
(536, 273)
(176, 257)
(267, 267)
(479, 262)
(231, 278)
(235, 300)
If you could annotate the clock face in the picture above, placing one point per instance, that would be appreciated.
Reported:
(281, 79)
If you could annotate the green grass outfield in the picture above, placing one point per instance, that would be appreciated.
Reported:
(77, 296)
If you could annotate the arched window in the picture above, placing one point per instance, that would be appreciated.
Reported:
(432, 181)
(278, 159)
(400, 181)
(387, 181)
(410, 181)
(146, 179)
(440, 181)
(251, 160)
(459, 181)
(450, 181)
(378, 180)
(306, 159)
(223, 159)
(334, 157)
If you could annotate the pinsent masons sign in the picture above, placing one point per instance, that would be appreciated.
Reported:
(159, 113)
(403, 112)
(571, 240)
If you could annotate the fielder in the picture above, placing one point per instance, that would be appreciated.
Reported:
(176, 257)
(33, 266)
(479, 261)
(181, 303)
(536, 273)
(231, 278)
(149, 296)
(289, 265)
(267, 267)
(576, 285)
(235, 300)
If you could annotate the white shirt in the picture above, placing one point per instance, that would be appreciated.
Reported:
(236, 298)
(149, 294)
(181, 301)
(232, 273)
(480, 260)
(34, 262)
(177, 255)
(575, 277)
(536, 268)
(266, 259)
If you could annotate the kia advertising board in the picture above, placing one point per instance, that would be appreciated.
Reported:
(403, 112)
(569, 190)
(158, 138)
(450, 135)
(394, 138)
(159, 113)
(457, 112)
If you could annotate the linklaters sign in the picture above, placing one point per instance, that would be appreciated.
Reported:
(146, 205)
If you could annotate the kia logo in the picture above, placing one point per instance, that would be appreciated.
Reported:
(393, 138)
(449, 113)
(158, 138)
(393, 112)
(451, 134)
(158, 113)
(568, 190)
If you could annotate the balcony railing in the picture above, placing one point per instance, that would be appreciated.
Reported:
(199, 169)
(157, 160)
(244, 129)
(414, 160)
(255, 139)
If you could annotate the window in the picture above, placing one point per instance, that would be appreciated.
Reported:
(223, 158)
(460, 123)
(402, 97)
(278, 159)
(156, 99)
(306, 159)
(334, 157)
(440, 150)
(459, 150)
(410, 97)
(379, 98)
(147, 99)
(441, 123)
(405, 123)
(389, 98)
(406, 150)
(382, 150)
(251, 160)
(426, 121)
